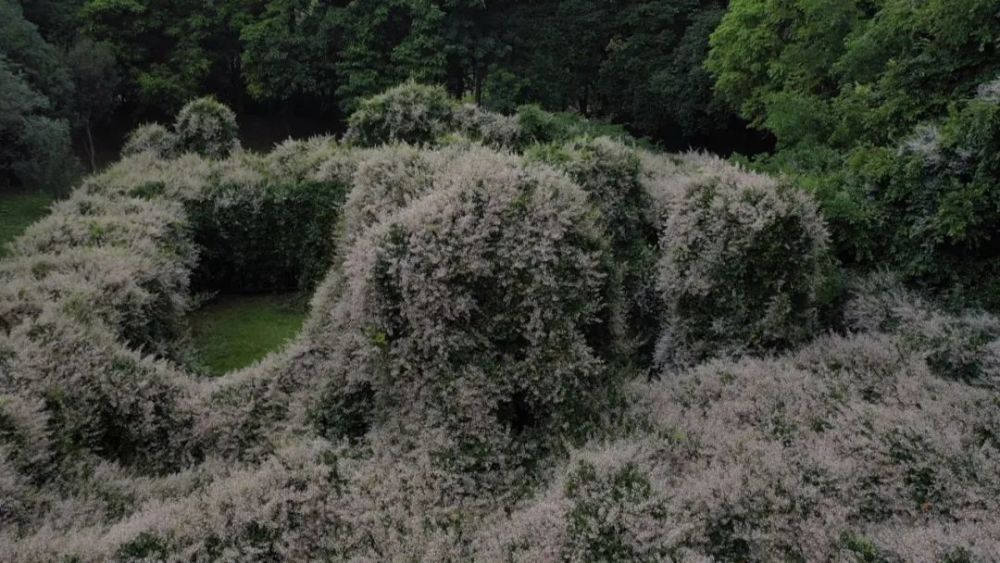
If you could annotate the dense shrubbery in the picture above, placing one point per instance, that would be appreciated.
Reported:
(203, 127)
(852, 447)
(744, 261)
(206, 127)
(470, 309)
(262, 223)
(888, 113)
(935, 201)
(609, 172)
(150, 137)
(492, 129)
(88, 293)
(260, 231)
(425, 115)
(411, 113)
(384, 182)
(540, 126)
(453, 395)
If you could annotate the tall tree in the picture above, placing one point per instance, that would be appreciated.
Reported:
(34, 147)
(35, 94)
(58, 20)
(95, 75)
(292, 49)
(28, 54)
(654, 77)
(473, 34)
(387, 42)
(838, 74)
(173, 51)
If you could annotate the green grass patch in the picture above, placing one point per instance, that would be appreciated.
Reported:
(234, 331)
(17, 211)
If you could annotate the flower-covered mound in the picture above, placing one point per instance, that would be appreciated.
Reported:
(477, 379)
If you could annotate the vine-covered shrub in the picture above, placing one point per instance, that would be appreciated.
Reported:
(260, 231)
(412, 113)
(424, 115)
(852, 447)
(311, 159)
(609, 171)
(469, 310)
(744, 262)
(963, 348)
(206, 127)
(89, 294)
(385, 181)
(491, 129)
(150, 137)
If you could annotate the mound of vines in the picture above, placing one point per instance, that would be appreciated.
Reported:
(477, 378)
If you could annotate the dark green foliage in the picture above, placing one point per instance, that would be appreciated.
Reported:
(145, 546)
(932, 203)
(638, 63)
(504, 92)
(863, 548)
(541, 126)
(38, 63)
(95, 74)
(653, 77)
(42, 154)
(35, 92)
(58, 20)
(286, 51)
(171, 51)
(388, 42)
(885, 112)
(272, 237)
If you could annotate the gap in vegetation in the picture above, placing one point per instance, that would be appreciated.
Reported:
(232, 331)
(263, 248)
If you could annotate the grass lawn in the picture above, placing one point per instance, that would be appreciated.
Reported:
(17, 211)
(234, 331)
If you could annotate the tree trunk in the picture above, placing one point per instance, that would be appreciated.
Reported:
(478, 79)
(90, 148)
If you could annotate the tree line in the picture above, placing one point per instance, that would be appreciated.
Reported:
(814, 80)
(72, 65)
